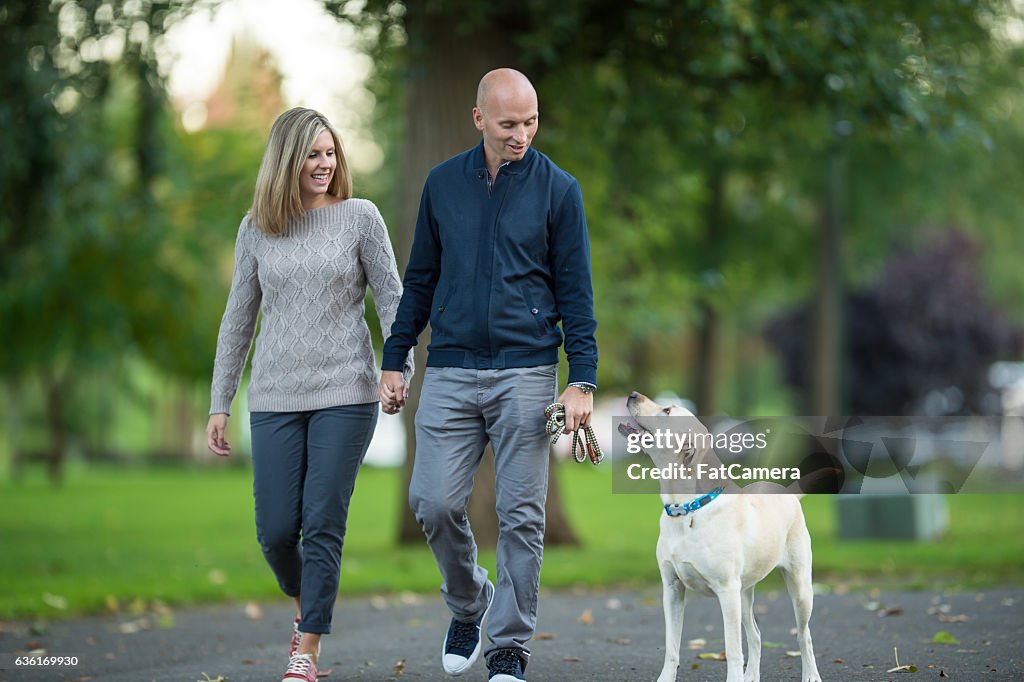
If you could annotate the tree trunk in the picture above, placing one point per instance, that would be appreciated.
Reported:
(709, 332)
(13, 421)
(444, 66)
(826, 370)
(55, 390)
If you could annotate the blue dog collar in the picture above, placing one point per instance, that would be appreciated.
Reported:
(694, 505)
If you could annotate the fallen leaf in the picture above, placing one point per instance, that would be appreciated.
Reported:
(399, 668)
(55, 600)
(90, 640)
(891, 611)
(544, 636)
(572, 659)
(586, 618)
(623, 641)
(772, 645)
(698, 643)
(942, 673)
(943, 637)
(839, 661)
(219, 678)
(901, 668)
(110, 603)
(720, 656)
(378, 603)
(959, 618)
(132, 627)
(253, 611)
(217, 577)
(793, 654)
(613, 604)
(410, 598)
(694, 666)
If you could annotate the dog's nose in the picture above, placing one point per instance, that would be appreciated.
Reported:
(634, 395)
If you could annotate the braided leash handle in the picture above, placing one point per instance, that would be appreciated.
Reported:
(555, 414)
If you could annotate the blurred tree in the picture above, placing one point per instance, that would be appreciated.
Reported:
(81, 278)
(699, 132)
(735, 91)
(921, 338)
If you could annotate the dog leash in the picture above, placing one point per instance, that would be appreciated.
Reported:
(555, 413)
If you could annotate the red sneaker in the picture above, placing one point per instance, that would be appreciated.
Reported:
(300, 667)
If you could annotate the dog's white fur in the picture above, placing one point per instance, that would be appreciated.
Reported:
(724, 550)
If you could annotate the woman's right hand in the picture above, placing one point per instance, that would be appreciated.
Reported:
(215, 439)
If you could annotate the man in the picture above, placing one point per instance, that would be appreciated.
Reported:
(500, 256)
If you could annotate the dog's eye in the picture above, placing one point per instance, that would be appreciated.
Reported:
(667, 410)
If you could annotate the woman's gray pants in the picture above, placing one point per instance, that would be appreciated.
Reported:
(459, 411)
(304, 470)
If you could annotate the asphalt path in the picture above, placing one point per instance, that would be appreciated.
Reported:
(613, 635)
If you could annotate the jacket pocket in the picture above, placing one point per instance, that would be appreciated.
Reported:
(444, 301)
(535, 313)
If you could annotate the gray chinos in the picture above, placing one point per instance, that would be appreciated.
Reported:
(304, 471)
(459, 411)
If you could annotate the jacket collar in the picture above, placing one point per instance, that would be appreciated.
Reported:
(478, 162)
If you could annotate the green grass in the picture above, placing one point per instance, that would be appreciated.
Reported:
(126, 538)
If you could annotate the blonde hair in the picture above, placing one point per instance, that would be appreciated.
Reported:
(276, 200)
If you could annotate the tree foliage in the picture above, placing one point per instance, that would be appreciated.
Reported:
(701, 133)
(921, 337)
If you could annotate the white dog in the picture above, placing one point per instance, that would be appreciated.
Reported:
(722, 546)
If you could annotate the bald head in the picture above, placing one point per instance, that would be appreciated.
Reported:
(503, 83)
(506, 114)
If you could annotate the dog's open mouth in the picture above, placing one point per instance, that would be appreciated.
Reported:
(628, 429)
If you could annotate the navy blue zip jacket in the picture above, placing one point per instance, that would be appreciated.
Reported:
(496, 269)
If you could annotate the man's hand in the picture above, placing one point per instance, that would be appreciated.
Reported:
(392, 391)
(579, 408)
(215, 439)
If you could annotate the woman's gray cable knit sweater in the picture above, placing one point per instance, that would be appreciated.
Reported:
(313, 350)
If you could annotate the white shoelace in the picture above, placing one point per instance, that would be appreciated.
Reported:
(299, 663)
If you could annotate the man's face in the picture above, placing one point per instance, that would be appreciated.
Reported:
(508, 121)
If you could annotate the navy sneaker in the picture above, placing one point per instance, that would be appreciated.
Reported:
(462, 643)
(506, 665)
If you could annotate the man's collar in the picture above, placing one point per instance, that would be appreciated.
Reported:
(480, 161)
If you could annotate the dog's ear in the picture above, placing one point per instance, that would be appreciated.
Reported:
(698, 441)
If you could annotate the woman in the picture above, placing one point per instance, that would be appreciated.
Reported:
(304, 255)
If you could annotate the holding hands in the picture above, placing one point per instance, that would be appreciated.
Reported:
(392, 391)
